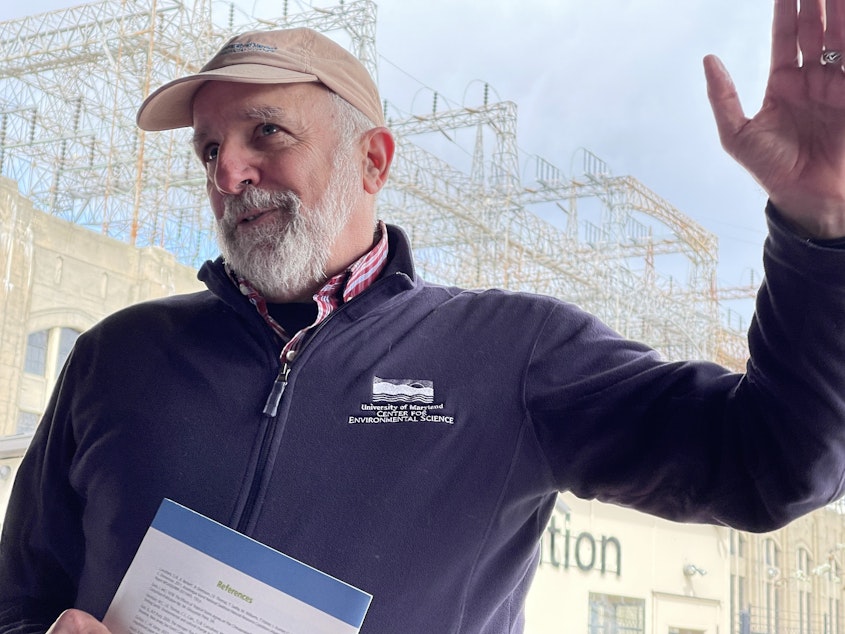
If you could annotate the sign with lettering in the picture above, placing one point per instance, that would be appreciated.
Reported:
(562, 549)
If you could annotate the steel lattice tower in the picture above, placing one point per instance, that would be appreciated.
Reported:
(71, 81)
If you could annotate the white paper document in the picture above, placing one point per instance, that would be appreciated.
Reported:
(192, 575)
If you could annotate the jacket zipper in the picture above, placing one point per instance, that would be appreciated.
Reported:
(274, 398)
(271, 409)
(271, 406)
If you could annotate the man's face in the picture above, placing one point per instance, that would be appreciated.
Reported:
(281, 187)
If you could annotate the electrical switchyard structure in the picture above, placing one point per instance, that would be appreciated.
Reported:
(71, 81)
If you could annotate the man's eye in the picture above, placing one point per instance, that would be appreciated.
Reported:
(209, 153)
(268, 128)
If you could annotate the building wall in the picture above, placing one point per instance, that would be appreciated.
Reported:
(53, 275)
(593, 552)
(791, 580)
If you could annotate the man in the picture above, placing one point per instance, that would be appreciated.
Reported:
(264, 402)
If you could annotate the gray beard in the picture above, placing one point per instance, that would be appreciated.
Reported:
(286, 256)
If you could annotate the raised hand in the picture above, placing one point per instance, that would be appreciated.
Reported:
(795, 145)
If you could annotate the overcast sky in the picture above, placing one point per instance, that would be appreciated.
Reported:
(622, 78)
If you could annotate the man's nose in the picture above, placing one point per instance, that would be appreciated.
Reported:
(233, 170)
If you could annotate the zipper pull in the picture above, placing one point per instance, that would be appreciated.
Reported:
(279, 385)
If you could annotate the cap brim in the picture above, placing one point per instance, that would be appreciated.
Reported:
(171, 105)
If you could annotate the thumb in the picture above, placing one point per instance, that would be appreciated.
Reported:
(74, 621)
(724, 101)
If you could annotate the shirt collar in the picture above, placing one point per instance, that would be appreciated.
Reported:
(337, 290)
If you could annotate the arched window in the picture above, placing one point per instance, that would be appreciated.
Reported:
(805, 596)
(774, 585)
(36, 353)
(46, 353)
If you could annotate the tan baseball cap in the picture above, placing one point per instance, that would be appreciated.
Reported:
(283, 56)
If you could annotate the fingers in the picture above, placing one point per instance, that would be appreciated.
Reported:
(811, 18)
(834, 36)
(785, 51)
(723, 100)
(799, 36)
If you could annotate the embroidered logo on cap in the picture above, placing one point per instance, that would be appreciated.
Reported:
(247, 47)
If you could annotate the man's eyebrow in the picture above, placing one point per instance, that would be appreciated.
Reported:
(197, 139)
(264, 113)
(256, 113)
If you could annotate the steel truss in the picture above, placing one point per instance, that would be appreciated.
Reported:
(71, 80)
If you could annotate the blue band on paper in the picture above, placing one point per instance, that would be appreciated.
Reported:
(319, 590)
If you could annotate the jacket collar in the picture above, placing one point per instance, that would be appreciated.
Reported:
(399, 270)
(400, 258)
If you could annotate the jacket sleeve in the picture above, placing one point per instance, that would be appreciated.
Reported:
(691, 441)
(42, 544)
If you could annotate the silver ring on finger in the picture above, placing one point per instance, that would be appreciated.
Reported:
(831, 57)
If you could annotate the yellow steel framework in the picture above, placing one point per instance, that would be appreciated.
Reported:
(71, 80)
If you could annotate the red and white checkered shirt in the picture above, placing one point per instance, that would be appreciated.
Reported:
(337, 290)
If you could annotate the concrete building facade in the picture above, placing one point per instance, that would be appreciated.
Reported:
(56, 280)
(606, 569)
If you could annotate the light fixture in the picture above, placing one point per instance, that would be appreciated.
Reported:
(690, 570)
(772, 572)
(5, 472)
(821, 569)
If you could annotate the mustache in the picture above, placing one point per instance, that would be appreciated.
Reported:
(253, 199)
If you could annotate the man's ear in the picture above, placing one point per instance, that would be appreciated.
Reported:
(379, 147)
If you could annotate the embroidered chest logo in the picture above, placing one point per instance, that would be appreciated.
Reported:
(401, 401)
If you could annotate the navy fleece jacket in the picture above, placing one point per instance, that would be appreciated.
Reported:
(421, 440)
